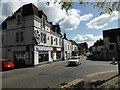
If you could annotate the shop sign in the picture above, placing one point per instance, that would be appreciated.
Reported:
(40, 48)
(58, 49)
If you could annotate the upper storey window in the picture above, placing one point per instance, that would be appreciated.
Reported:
(43, 22)
(18, 19)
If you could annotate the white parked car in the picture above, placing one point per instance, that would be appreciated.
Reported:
(74, 61)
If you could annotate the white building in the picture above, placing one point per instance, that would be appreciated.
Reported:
(29, 39)
(66, 48)
(74, 48)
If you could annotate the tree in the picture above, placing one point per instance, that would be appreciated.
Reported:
(106, 6)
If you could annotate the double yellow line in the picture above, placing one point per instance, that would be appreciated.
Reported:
(72, 83)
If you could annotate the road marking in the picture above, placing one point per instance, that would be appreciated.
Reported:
(72, 83)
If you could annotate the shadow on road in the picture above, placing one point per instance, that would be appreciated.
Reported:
(71, 65)
(100, 82)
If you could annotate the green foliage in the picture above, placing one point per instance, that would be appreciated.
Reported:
(66, 5)
(101, 13)
(107, 7)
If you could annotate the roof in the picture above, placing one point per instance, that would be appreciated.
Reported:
(99, 43)
(28, 9)
(73, 42)
(111, 32)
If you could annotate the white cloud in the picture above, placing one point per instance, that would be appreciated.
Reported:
(103, 20)
(86, 17)
(67, 20)
(88, 38)
(73, 19)
(7, 7)
(54, 12)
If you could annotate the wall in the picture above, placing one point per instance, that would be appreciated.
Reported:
(67, 45)
(109, 54)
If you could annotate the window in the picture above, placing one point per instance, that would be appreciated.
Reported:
(56, 41)
(2, 38)
(43, 22)
(40, 23)
(21, 35)
(44, 38)
(19, 19)
(17, 37)
(112, 39)
(51, 40)
(60, 42)
(111, 47)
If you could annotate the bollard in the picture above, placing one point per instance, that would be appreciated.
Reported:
(113, 61)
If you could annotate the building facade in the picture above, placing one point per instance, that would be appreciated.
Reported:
(82, 48)
(111, 43)
(97, 50)
(66, 48)
(29, 39)
(74, 48)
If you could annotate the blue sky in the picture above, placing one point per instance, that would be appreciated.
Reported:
(82, 29)
(82, 23)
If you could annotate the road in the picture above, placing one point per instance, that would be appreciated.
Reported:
(52, 75)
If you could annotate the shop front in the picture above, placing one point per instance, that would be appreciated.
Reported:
(57, 53)
(21, 58)
(42, 54)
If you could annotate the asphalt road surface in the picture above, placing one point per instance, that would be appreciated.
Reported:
(52, 75)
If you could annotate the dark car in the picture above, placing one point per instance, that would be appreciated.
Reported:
(6, 64)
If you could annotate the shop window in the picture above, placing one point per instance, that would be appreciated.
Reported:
(58, 54)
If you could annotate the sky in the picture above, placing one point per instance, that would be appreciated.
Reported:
(81, 23)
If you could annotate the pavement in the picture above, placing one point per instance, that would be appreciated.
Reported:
(108, 79)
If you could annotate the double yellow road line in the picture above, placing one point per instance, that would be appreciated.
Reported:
(74, 82)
